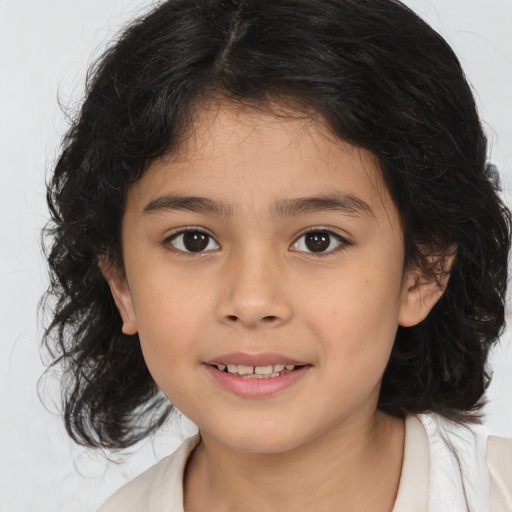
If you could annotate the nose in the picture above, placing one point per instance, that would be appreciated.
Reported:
(253, 293)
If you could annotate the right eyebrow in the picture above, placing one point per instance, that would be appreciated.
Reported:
(188, 203)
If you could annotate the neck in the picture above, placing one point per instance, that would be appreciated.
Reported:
(357, 467)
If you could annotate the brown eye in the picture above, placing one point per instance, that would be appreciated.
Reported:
(193, 241)
(319, 242)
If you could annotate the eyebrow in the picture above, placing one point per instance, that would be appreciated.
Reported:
(346, 203)
(188, 203)
(338, 201)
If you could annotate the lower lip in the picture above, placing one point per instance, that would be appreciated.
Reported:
(254, 387)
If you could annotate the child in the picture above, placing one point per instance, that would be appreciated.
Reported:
(279, 216)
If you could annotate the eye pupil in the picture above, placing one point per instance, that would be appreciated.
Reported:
(318, 241)
(194, 241)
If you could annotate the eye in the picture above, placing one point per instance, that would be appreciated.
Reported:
(319, 241)
(193, 240)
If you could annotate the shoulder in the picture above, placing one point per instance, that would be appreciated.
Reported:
(482, 463)
(160, 484)
(499, 462)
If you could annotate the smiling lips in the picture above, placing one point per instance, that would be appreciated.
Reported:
(265, 365)
(256, 372)
(256, 376)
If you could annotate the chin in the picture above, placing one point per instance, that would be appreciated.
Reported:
(263, 446)
(268, 439)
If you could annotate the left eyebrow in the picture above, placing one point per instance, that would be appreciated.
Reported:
(339, 201)
(346, 203)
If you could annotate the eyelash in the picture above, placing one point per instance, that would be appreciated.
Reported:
(169, 241)
(342, 242)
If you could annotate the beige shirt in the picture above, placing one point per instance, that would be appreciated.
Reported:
(425, 486)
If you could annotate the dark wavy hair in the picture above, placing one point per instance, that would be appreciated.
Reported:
(372, 71)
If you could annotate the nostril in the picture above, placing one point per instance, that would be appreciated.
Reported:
(251, 321)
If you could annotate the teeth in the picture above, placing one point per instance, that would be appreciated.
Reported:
(257, 371)
(245, 370)
(254, 376)
(263, 370)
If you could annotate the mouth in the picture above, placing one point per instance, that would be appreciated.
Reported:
(257, 372)
(257, 375)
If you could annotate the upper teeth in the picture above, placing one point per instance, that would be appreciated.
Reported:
(241, 369)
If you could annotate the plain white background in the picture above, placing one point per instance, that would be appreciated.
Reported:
(45, 48)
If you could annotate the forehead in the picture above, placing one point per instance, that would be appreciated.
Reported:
(247, 158)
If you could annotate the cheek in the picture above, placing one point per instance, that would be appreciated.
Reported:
(169, 323)
(166, 297)
(357, 335)
(357, 313)
(166, 334)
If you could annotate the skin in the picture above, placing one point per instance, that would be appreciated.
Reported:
(317, 444)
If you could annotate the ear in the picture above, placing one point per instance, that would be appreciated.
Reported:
(421, 290)
(116, 279)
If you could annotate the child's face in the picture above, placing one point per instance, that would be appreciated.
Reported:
(257, 287)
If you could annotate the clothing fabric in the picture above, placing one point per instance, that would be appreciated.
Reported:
(447, 467)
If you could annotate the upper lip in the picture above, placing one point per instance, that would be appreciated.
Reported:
(262, 359)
